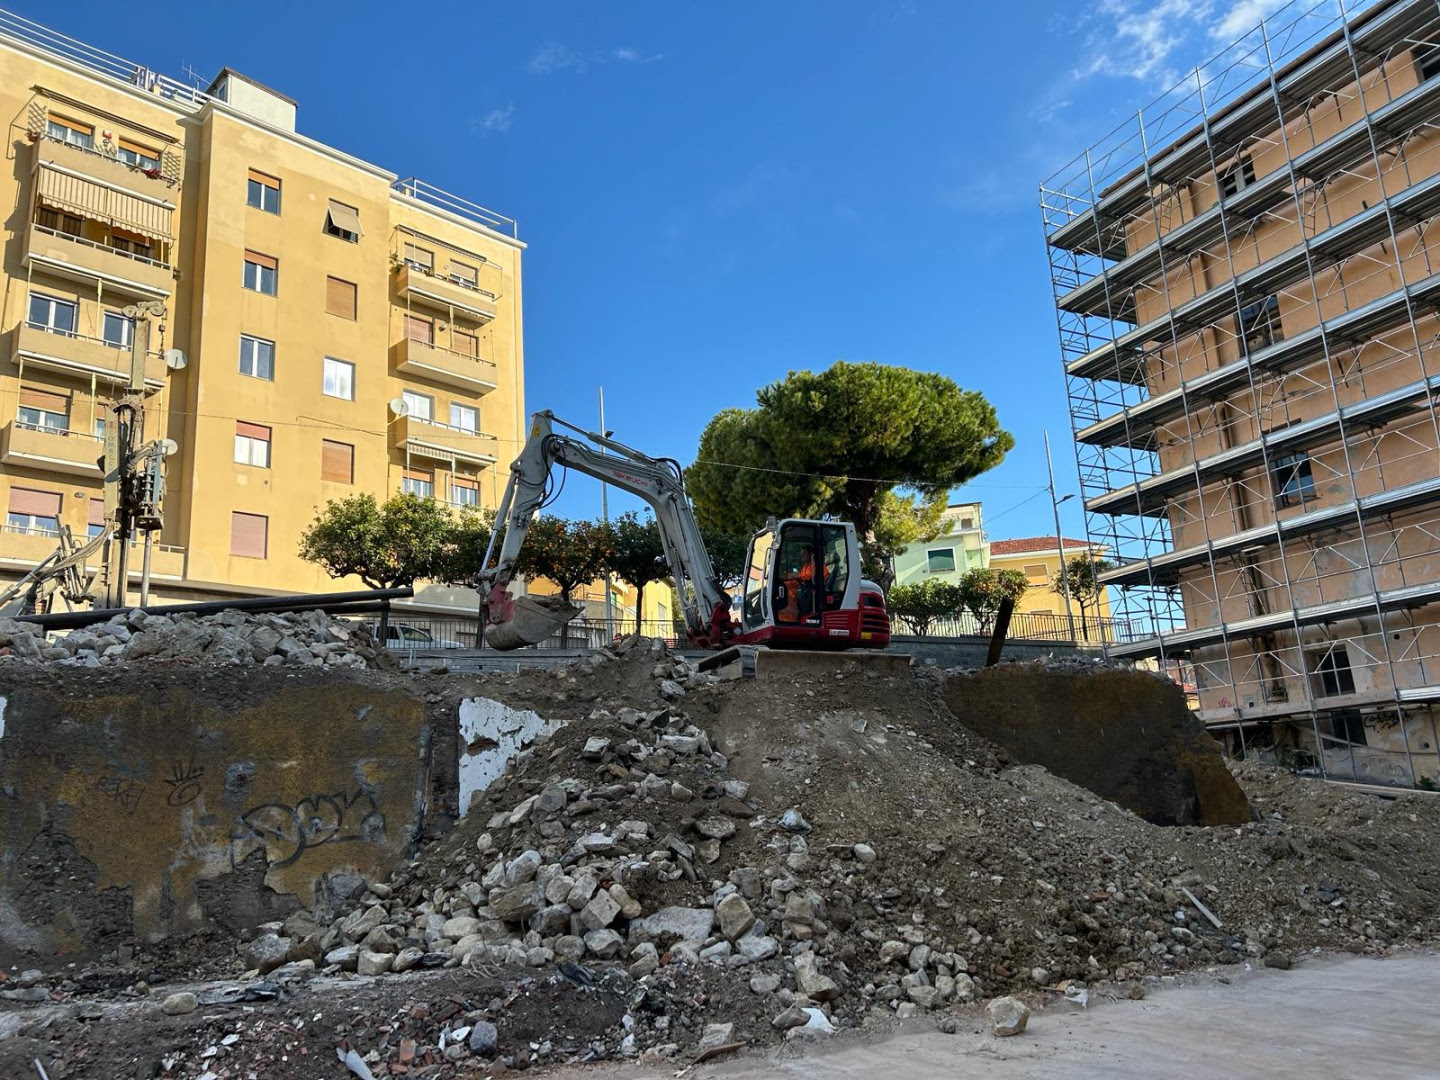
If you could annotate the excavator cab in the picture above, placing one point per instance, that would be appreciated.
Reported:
(803, 589)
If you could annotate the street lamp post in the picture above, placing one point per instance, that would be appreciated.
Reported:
(1060, 539)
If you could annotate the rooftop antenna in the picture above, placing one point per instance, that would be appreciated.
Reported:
(192, 75)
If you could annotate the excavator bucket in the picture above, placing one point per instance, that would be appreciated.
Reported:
(532, 621)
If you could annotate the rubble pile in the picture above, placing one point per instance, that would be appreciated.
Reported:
(875, 862)
(306, 639)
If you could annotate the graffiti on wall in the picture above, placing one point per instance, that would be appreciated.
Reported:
(286, 832)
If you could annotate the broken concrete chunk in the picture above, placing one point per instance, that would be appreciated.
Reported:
(735, 916)
(1007, 1016)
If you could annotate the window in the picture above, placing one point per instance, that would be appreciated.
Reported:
(418, 482)
(33, 512)
(260, 273)
(464, 274)
(1291, 479)
(337, 462)
(1237, 177)
(940, 560)
(1037, 573)
(340, 298)
(71, 131)
(249, 535)
(465, 491)
(465, 344)
(1427, 62)
(753, 606)
(967, 523)
(1332, 670)
(339, 380)
(48, 217)
(419, 258)
(420, 406)
(252, 444)
(464, 418)
(263, 192)
(133, 244)
(52, 314)
(343, 222)
(257, 357)
(99, 431)
(418, 328)
(1260, 323)
(95, 524)
(119, 330)
(1347, 725)
(138, 156)
(43, 410)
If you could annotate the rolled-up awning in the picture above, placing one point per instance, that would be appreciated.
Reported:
(69, 191)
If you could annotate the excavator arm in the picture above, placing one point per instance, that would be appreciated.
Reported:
(659, 481)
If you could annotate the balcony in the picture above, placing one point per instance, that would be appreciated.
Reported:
(74, 257)
(78, 355)
(109, 170)
(443, 293)
(441, 442)
(23, 548)
(431, 362)
(49, 450)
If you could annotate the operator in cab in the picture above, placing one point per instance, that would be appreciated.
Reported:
(798, 579)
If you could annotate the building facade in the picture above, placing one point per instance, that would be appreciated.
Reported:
(960, 547)
(1247, 297)
(328, 329)
(1038, 558)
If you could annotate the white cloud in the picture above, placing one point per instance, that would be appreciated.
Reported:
(554, 56)
(1242, 17)
(496, 120)
(1137, 39)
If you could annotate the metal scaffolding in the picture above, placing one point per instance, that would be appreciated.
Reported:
(1246, 297)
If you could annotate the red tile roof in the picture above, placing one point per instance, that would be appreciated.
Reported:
(1032, 543)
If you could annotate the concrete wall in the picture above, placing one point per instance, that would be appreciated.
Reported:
(971, 651)
(151, 804)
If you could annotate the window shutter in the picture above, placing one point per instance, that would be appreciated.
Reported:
(465, 344)
(337, 462)
(261, 260)
(418, 329)
(248, 534)
(38, 503)
(96, 511)
(136, 148)
(252, 431)
(425, 476)
(44, 399)
(346, 217)
(422, 257)
(261, 178)
(465, 272)
(74, 125)
(340, 298)
(468, 482)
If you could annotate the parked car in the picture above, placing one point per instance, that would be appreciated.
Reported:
(409, 638)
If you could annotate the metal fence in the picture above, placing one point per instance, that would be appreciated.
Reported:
(424, 633)
(1024, 626)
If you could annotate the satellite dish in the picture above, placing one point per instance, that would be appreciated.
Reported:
(175, 359)
(399, 406)
(130, 311)
(168, 446)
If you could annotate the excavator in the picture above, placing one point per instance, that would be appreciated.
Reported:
(802, 588)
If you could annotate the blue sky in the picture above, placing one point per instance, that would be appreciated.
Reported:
(715, 195)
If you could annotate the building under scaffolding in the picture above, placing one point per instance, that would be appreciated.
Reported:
(1247, 280)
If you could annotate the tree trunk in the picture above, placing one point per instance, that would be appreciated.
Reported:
(565, 626)
(639, 608)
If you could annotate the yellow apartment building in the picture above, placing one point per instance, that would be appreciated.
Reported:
(1038, 558)
(327, 328)
(1247, 298)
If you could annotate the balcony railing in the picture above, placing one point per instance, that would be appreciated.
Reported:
(45, 230)
(32, 530)
(166, 170)
(1028, 626)
(420, 191)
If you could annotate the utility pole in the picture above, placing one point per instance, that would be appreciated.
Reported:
(1060, 540)
(605, 517)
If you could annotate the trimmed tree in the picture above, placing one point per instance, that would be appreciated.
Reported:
(636, 556)
(1086, 591)
(982, 591)
(465, 544)
(569, 553)
(386, 546)
(924, 603)
(838, 442)
(728, 553)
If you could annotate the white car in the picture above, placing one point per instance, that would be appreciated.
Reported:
(406, 638)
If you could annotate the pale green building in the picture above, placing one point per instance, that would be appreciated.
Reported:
(960, 547)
